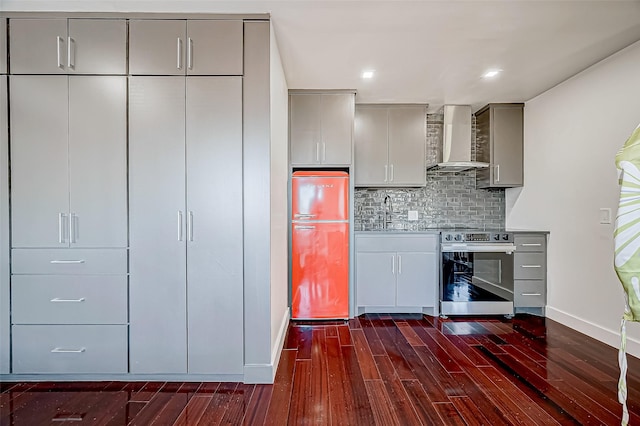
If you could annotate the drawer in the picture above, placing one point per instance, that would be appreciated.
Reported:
(69, 349)
(69, 299)
(527, 243)
(529, 293)
(69, 261)
(529, 266)
(412, 242)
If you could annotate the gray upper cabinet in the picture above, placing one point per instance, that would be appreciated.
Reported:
(3, 45)
(390, 145)
(321, 128)
(68, 157)
(500, 143)
(68, 46)
(179, 47)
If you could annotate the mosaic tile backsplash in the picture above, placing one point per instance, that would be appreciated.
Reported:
(448, 199)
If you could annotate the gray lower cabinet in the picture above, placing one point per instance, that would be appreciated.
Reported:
(321, 128)
(68, 46)
(396, 271)
(390, 144)
(68, 161)
(530, 270)
(69, 349)
(500, 142)
(185, 189)
(185, 47)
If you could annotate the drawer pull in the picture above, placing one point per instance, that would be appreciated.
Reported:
(531, 245)
(531, 266)
(68, 418)
(66, 262)
(67, 351)
(304, 227)
(57, 299)
(532, 294)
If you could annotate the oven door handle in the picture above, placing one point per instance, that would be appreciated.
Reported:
(485, 248)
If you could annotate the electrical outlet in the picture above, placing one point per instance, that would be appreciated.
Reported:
(412, 215)
(605, 216)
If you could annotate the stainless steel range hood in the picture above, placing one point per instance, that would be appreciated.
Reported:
(454, 154)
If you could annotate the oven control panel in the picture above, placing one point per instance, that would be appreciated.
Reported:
(477, 237)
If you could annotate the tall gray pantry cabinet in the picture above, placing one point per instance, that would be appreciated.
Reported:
(185, 201)
(68, 196)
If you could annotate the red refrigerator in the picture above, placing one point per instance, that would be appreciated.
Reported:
(319, 245)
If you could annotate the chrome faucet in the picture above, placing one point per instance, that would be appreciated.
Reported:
(388, 209)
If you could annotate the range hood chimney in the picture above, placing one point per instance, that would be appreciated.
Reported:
(454, 154)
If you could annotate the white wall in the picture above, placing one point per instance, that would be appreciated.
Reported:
(572, 134)
(279, 223)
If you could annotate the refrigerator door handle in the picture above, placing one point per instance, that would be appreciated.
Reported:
(399, 265)
(393, 264)
(386, 172)
(304, 227)
(303, 215)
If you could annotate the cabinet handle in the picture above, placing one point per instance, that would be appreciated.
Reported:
(190, 225)
(393, 264)
(73, 224)
(179, 225)
(399, 265)
(304, 227)
(532, 294)
(67, 351)
(497, 167)
(531, 245)
(66, 262)
(71, 53)
(60, 40)
(190, 53)
(317, 152)
(391, 174)
(57, 299)
(531, 266)
(303, 215)
(324, 152)
(386, 172)
(179, 54)
(61, 227)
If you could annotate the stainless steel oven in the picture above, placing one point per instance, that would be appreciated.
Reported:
(476, 273)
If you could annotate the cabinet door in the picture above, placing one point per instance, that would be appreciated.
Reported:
(39, 161)
(97, 46)
(337, 128)
(4, 228)
(376, 279)
(407, 139)
(3, 45)
(38, 46)
(98, 161)
(157, 255)
(305, 128)
(214, 47)
(417, 279)
(371, 154)
(214, 232)
(157, 47)
(506, 149)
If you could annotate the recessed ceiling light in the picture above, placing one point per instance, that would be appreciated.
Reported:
(491, 73)
(367, 74)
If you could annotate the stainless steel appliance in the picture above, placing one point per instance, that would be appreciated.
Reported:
(476, 275)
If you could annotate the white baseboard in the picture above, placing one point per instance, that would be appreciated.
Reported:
(266, 373)
(607, 336)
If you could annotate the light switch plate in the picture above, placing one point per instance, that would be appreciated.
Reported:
(605, 216)
(413, 215)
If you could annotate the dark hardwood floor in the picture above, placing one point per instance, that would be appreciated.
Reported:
(375, 369)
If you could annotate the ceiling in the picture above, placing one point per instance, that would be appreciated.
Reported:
(422, 51)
